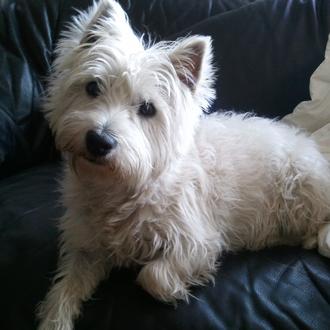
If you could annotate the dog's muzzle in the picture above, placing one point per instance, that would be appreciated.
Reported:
(100, 144)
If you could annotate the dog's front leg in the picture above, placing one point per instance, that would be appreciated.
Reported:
(165, 280)
(78, 275)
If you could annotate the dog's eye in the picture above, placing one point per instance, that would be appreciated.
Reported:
(93, 88)
(147, 109)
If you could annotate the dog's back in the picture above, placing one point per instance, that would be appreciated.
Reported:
(270, 178)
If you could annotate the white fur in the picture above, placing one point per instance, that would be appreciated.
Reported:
(181, 187)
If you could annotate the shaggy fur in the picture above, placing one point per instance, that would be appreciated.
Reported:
(180, 187)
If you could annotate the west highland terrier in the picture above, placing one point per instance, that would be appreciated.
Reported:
(151, 181)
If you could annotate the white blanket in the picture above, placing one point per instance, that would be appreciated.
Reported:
(314, 115)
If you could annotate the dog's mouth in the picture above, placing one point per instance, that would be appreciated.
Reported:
(89, 164)
(101, 161)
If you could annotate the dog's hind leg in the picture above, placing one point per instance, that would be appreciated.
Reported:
(78, 275)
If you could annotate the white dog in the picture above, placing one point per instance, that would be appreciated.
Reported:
(151, 181)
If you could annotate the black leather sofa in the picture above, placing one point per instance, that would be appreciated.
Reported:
(266, 51)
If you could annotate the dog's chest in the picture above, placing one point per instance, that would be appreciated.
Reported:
(137, 237)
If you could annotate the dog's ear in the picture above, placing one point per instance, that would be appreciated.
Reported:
(106, 17)
(192, 61)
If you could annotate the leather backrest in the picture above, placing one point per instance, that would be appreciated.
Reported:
(265, 51)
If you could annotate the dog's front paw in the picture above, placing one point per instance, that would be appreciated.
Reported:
(54, 315)
(324, 240)
(49, 324)
(158, 279)
(55, 323)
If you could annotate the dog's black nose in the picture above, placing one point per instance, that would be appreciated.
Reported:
(99, 144)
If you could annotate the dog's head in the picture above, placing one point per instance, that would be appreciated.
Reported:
(121, 108)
